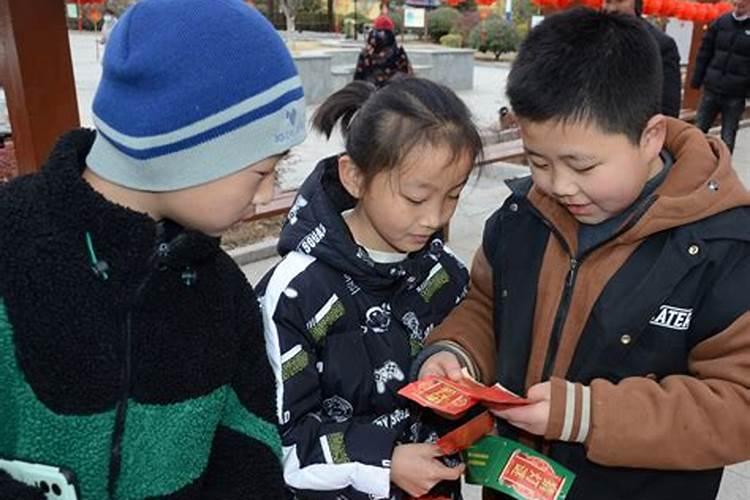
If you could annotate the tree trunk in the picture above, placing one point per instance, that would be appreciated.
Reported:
(331, 17)
(290, 14)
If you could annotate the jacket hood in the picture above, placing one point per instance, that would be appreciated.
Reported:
(701, 184)
(315, 226)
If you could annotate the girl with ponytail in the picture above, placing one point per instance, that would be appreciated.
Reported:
(365, 275)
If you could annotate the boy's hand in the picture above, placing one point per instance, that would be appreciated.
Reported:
(416, 469)
(534, 417)
(442, 364)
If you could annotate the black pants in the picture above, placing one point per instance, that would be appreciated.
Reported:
(731, 109)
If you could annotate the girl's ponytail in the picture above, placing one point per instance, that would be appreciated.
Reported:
(342, 105)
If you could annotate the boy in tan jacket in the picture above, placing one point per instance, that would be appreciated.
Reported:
(611, 287)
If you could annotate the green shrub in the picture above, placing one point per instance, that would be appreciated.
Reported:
(451, 40)
(468, 20)
(494, 35)
(312, 21)
(522, 12)
(441, 21)
(398, 20)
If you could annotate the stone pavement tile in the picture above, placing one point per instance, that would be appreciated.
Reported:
(255, 270)
(742, 469)
(471, 492)
(734, 487)
(741, 157)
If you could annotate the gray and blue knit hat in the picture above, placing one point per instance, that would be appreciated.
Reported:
(192, 91)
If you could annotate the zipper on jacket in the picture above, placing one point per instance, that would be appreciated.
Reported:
(115, 460)
(560, 317)
(575, 264)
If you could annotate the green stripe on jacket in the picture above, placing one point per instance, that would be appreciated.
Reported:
(165, 447)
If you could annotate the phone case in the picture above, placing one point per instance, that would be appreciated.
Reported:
(56, 482)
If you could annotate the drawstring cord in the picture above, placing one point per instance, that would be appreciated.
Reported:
(100, 267)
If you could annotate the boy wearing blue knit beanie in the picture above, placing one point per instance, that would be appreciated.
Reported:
(131, 348)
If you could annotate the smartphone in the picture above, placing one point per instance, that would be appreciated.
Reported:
(57, 483)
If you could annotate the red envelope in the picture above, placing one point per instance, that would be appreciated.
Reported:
(491, 396)
(437, 393)
(462, 437)
(454, 398)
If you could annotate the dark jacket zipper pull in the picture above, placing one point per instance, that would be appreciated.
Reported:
(572, 272)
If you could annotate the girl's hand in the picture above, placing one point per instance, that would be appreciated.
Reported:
(534, 417)
(442, 364)
(416, 469)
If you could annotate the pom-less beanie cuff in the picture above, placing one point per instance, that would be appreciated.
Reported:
(217, 146)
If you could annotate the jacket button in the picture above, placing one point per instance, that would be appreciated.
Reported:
(694, 249)
(626, 339)
(713, 185)
(504, 293)
(513, 207)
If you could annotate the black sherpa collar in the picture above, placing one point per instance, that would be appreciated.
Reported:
(76, 207)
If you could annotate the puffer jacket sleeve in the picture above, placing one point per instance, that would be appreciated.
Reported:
(320, 452)
(705, 53)
(672, 86)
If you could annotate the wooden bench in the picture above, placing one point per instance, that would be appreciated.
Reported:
(508, 151)
(280, 204)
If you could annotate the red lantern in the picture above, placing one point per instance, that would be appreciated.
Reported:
(709, 13)
(652, 7)
(666, 8)
(700, 13)
(562, 4)
(725, 7)
(677, 8)
(714, 11)
(592, 4)
(688, 11)
(485, 2)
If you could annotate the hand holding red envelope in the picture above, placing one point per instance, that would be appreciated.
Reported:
(452, 397)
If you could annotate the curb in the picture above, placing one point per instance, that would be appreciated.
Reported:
(247, 254)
